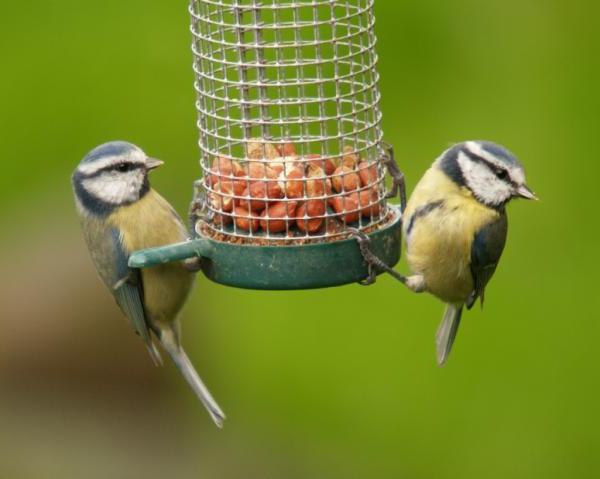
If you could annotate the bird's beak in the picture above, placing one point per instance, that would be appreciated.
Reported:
(153, 163)
(524, 192)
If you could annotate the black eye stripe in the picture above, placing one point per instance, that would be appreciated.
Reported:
(114, 167)
(501, 173)
(123, 167)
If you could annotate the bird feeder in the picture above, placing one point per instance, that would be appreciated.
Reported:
(291, 147)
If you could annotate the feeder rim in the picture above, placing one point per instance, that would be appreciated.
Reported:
(202, 246)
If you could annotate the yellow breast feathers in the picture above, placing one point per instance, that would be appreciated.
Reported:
(149, 223)
(441, 221)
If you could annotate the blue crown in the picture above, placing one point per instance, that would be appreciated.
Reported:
(113, 148)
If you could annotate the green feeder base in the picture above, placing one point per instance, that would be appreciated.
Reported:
(307, 266)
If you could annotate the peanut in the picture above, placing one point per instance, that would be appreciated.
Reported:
(286, 149)
(281, 209)
(345, 179)
(369, 202)
(222, 202)
(244, 219)
(350, 158)
(328, 165)
(259, 150)
(314, 209)
(346, 207)
(223, 168)
(367, 173)
(293, 189)
(258, 190)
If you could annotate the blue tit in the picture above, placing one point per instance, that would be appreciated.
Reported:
(455, 227)
(120, 213)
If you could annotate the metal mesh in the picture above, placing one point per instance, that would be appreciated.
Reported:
(289, 119)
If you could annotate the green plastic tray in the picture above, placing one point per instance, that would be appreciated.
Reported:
(306, 266)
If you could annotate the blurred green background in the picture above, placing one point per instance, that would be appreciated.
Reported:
(338, 383)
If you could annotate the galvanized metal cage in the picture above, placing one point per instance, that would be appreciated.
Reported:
(289, 119)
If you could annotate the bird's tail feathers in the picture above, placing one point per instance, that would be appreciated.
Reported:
(185, 366)
(446, 333)
(154, 353)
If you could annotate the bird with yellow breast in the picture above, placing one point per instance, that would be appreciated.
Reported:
(455, 227)
(120, 213)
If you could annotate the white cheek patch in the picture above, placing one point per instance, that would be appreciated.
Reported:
(517, 175)
(115, 189)
(483, 183)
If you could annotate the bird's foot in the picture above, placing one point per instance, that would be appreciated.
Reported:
(364, 243)
(398, 183)
(198, 210)
(416, 283)
(374, 264)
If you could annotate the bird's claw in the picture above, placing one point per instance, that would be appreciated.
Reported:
(398, 183)
(374, 264)
(364, 243)
(198, 208)
(360, 236)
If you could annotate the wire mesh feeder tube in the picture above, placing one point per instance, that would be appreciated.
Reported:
(289, 119)
(291, 147)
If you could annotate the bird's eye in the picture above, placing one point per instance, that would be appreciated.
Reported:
(501, 174)
(123, 167)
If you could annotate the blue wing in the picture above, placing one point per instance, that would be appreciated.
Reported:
(110, 259)
(128, 292)
(486, 250)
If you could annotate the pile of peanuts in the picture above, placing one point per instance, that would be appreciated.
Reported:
(283, 191)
